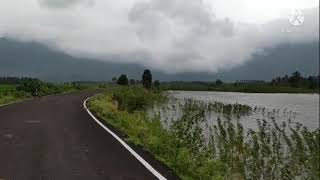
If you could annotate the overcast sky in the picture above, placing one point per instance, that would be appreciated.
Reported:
(168, 35)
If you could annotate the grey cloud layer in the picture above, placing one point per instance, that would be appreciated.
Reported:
(188, 35)
(64, 3)
(169, 35)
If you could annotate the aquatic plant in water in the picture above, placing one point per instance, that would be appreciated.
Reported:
(272, 151)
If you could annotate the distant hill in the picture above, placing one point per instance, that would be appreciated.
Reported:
(278, 61)
(36, 60)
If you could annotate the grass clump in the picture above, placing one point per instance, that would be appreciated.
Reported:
(135, 98)
(216, 106)
(8, 93)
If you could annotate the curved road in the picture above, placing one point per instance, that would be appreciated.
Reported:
(54, 138)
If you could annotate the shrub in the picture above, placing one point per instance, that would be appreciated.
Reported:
(134, 98)
(123, 80)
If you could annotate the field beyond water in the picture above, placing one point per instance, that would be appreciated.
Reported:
(232, 87)
(227, 151)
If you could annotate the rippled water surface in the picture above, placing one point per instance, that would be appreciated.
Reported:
(303, 108)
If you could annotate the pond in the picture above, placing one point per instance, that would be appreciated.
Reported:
(302, 108)
(289, 108)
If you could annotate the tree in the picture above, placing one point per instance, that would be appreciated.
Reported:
(147, 79)
(157, 84)
(219, 82)
(30, 85)
(123, 80)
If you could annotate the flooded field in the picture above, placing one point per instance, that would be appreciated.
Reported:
(302, 108)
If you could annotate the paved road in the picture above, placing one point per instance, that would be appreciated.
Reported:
(54, 138)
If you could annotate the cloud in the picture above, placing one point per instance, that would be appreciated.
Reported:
(64, 3)
(183, 35)
(169, 35)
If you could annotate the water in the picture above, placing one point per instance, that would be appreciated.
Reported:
(302, 108)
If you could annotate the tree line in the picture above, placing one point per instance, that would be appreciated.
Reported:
(12, 80)
(297, 80)
(36, 87)
(146, 80)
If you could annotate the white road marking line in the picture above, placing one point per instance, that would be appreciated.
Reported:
(14, 102)
(32, 121)
(8, 136)
(135, 154)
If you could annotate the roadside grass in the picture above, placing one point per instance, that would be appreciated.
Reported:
(8, 99)
(14, 93)
(9, 94)
(272, 152)
(5, 89)
(150, 134)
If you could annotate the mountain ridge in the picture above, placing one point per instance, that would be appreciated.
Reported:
(36, 60)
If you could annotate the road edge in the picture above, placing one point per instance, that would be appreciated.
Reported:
(123, 143)
(27, 99)
(22, 100)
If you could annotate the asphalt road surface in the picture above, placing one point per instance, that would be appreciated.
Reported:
(54, 138)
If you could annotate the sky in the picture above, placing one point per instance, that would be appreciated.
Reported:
(172, 36)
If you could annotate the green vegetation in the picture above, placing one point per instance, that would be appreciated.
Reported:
(123, 80)
(236, 87)
(273, 151)
(212, 106)
(8, 93)
(15, 89)
(135, 98)
(287, 84)
(146, 80)
(36, 87)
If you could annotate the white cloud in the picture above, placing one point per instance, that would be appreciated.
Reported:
(257, 11)
(169, 35)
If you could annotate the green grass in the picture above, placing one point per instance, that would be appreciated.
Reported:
(4, 88)
(149, 132)
(8, 94)
(8, 99)
(272, 152)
